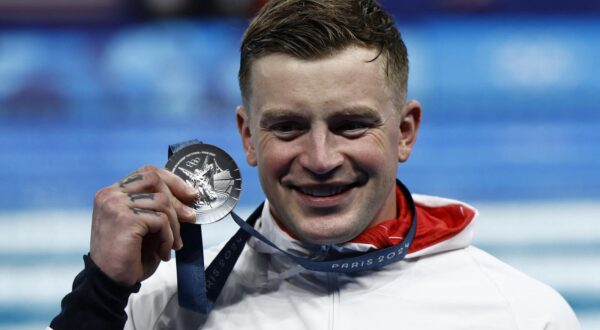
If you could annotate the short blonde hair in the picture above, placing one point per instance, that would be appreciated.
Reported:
(311, 29)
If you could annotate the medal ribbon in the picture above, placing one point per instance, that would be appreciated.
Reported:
(198, 288)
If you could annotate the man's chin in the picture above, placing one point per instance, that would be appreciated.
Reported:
(326, 237)
(322, 226)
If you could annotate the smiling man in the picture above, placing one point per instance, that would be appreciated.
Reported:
(327, 135)
(326, 121)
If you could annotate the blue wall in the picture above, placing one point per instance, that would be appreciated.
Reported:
(511, 106)
(511, 114)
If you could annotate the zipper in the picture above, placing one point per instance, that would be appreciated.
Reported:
(334, 301)
(333, 289)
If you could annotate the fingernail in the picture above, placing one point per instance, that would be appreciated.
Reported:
(180, 246)
(190, 212)
(191, 190)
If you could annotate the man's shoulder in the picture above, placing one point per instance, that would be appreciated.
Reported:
(528, 299)
(506, 277)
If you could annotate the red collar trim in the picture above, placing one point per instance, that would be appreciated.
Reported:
(435, 224)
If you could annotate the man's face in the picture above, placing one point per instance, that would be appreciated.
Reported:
(327, 136)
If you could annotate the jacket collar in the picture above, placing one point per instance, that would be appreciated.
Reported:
(444, 224)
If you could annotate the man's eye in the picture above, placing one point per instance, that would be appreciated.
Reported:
(352, 128)
(287, 130)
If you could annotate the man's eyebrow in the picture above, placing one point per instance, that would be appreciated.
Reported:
(358, 112)
(275, 115)
(271, 115)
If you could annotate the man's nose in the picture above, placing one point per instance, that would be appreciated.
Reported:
(321, 154)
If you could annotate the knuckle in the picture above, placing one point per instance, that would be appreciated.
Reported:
(147, 168)
(101, 195)
(164, 218)
(162, 200)
(149, 182)
(111, 206)
(107, 200)
(152, 179)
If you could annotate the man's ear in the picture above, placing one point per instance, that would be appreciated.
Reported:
(410, 119)
(243, 125)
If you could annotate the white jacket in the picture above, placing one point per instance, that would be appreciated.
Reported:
(448, 285)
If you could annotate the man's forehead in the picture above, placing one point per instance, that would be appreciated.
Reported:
(352, 70)
(350, 73)
(349, 53)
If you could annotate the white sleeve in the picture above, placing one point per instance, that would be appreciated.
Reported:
(157, 294)
(145, 307)
(543, 307)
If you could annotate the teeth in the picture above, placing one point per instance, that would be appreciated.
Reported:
(322, 191)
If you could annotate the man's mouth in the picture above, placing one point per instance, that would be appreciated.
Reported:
(324, 190)
(323, 196)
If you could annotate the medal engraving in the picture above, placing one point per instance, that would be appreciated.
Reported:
(214, 174)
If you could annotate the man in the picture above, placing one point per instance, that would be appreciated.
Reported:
(326, 122)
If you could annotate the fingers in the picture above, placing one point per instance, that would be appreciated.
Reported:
(153, 179)
(146, 179)
(136, 223)
(158, 224)
(184, 212)
(159, 190)
(163, 203)
(178, 186)
(182, 194)
(131, 178)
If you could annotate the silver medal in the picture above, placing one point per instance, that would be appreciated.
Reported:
(214, 174)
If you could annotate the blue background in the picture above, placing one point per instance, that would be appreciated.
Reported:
(510, 118)
(511, 106)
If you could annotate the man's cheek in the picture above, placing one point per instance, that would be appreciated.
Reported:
(277, 162)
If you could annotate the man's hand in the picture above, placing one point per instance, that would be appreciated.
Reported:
(135, 223)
